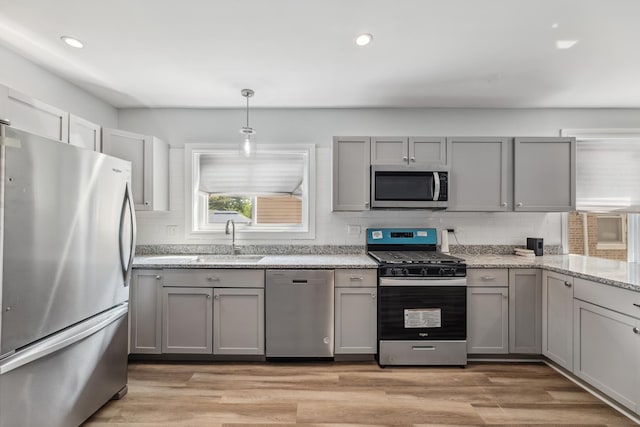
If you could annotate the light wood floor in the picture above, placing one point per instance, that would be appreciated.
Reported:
(250, 394)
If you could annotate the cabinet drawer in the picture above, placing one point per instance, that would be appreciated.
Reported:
(356, 278)
(497, 277)
(621, 300)
(214, 278)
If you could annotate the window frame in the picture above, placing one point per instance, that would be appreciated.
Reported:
(613, 245)
(197, 210)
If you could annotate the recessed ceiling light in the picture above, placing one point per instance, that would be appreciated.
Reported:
(72, 42)
(364, 39)
(565, 44)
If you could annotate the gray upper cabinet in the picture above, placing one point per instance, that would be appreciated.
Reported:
(389, 150)
(479, 174)
(545, 174)
(31, 115)
(187, 320)
(525, 311)
(351, 176)
(149, 157)
(84, 134)
(146, 311)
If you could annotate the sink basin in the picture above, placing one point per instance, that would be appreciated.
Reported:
(228, 259)
(172, 259)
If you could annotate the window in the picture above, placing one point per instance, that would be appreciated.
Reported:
(269, 192)
(612, 231)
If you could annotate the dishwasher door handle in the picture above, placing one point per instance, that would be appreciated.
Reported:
(294, 281)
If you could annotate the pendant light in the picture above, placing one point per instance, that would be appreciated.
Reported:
(248, 144)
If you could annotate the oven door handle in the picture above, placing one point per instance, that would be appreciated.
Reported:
(459, 281)
(436, 186)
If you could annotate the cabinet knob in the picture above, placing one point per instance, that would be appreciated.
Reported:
(366, 204)
(147, 203)
(373, 295)
(567, 284)
(158, 277)
(216, 296)
(413, 159)
(504, 204)
(519, 204)
(208, 296)
(636, 331)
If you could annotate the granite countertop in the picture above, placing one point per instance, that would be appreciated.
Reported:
(255, 261)
(609, 272)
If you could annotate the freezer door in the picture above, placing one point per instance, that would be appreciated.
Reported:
(68, 232)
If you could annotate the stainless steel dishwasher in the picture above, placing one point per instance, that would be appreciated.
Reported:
(299, 313)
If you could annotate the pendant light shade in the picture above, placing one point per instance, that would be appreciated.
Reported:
(248, 142)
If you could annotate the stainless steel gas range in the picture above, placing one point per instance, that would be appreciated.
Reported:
(422, 299)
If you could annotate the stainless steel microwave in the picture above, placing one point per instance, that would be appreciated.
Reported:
(409, 187)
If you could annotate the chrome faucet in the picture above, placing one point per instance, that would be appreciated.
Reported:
(234, 250)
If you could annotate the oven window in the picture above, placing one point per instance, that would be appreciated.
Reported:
(422, 313)
(409, 186)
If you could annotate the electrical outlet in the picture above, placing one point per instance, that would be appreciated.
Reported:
(451, 230)
(354, 230)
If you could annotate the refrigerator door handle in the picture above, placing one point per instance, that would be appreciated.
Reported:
(127, 206)
(63, 339)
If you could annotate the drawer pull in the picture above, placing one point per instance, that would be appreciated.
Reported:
(213, 278)
(356, 278)
(567, 284)
(423, 347)
(158, 277)
(488, 277)
(636, 331)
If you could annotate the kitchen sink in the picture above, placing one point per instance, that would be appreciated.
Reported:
(228, 259)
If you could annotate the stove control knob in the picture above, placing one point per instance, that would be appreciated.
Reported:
(442, 272)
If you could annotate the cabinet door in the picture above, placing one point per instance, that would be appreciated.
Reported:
(355, 321)
(525, 311)
(83, 133)
(487, 320)
(133, 147)
(427, 150)
(187, 320)
(238, 325)
(479, 174)
(606, 352)
(35, 116)
(146, 311)
(389, 150)
(557, 318)
(351, 174)
(545, 174)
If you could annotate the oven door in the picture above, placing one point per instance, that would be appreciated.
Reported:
(422, 309)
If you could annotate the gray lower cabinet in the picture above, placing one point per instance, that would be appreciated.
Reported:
(351, 176)
(187, 320)
(480, 173)
(146, 312)
(238, 324)
(525, 311)
(355, 320)
(545, 174)
(557, 318)
(487, 320)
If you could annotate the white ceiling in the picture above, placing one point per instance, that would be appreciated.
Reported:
(300, 53)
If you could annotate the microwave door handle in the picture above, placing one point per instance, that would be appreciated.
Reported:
(436, 186)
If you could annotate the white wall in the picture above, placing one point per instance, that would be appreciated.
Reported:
(318, 126)
(23, 75)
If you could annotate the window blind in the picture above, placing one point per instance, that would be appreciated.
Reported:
(608, 175)
(230, 173)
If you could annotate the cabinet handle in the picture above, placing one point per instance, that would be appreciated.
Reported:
(405, 158)
(356, 278)
(519, 204)
(488, 278)
(637, 305)
(158, 277)
(413, 159)
(504, 204)
(636, 331)
(213, 279)
(567, 284)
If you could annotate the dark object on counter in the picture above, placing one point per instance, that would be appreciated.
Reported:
(536, 245)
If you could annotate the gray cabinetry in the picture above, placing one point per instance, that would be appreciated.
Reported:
(545, 174)
(187, 320)
(149, 157)
(557, 318)
(479, 175)
(146, 311)
(488, 311)
(427, 149)
(355, 312)
(351, 176)
(389, 150)
(84, 134)
(525, 311)
(238, 324)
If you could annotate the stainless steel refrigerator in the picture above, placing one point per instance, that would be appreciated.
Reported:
(67, 238)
